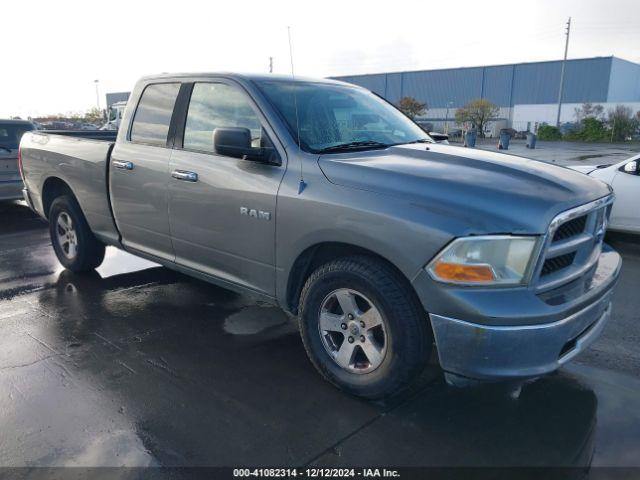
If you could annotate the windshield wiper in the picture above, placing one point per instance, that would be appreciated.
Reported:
(420, 140)
(6, 148)
(344, 147)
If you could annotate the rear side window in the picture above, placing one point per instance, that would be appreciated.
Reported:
(153, 115)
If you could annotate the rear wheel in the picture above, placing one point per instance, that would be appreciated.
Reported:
(363, 327)
(75, 245)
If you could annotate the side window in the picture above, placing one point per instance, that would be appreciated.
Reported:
(217, 105)
(153, 115)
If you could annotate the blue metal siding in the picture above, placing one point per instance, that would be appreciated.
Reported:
(438, 87)
(117, 97)
(586, 80)
(536, 83)
(624, 83)
(394, 87)
(497, 84)
(375, 83)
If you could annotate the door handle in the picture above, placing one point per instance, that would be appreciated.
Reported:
(123, 165)
(185, 176)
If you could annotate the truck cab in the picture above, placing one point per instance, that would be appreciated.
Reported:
(114, 116)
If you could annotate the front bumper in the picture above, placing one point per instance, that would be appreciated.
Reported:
(490, 351)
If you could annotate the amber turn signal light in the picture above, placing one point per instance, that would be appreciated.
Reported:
(456, 272)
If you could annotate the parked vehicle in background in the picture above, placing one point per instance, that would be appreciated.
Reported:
(323, 198)
(520, 135)
(114, 115)
(440, 137)
(624, 177)
(454, 133)
(11, 132)
(88, 126)
(511, 131)
(57, 125)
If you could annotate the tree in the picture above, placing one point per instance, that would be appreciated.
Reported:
(622, 123)
(94, 115)
(411, 107)
(478, 113)
(588, 110)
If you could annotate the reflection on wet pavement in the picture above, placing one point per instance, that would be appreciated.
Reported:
(137, 365)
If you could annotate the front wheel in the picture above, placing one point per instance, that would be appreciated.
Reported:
(363, 327)
(75, 245)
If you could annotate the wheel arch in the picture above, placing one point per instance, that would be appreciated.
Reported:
(52, 188)
(314, 256)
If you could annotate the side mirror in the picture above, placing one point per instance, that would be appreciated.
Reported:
(236, 142)
(632, 168)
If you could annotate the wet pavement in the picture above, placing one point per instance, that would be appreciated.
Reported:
(567, 153)
(138, 366)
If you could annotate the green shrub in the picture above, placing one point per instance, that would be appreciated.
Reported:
(591, 130)
(548, 132)
(594, 130)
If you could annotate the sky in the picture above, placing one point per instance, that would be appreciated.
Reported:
(52, 51)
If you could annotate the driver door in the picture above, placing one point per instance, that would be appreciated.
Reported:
(213, 197)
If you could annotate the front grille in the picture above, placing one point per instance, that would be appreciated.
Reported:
(573, 245)
(570, 229)
(557, 263)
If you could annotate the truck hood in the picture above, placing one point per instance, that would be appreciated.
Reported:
(477, 191)
(586, 169)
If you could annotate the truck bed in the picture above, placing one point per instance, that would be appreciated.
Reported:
(80, 159)
(107, 135)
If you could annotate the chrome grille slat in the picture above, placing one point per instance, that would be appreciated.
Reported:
(570, 229)
(556, 263)
(560, 248)
(569, 275)
(565, 257)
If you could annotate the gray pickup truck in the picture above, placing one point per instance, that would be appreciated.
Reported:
(11, 132)
(323, 198)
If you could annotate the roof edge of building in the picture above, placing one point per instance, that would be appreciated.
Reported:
(339, 77)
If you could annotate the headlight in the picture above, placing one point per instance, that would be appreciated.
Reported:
(485, 260)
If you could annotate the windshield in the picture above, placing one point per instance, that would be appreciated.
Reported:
(332, 116)
(11, 133)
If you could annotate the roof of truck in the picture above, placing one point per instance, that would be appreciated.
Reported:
(247, 76)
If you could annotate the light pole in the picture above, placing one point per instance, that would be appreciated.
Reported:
(446, 118)
(97, 93)
(564, 62)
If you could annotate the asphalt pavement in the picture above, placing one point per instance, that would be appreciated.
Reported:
(566, 153)
(135, 365)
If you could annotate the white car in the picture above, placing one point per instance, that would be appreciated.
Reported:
(624, 177)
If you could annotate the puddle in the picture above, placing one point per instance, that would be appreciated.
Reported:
(112, 449)
(610, 154)
(118, 262)
(254, 319)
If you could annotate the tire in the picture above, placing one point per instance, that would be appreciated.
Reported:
(400, 353)
(75, 245)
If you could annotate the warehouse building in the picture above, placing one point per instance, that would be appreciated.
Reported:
(527, 93)
(116, 97)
